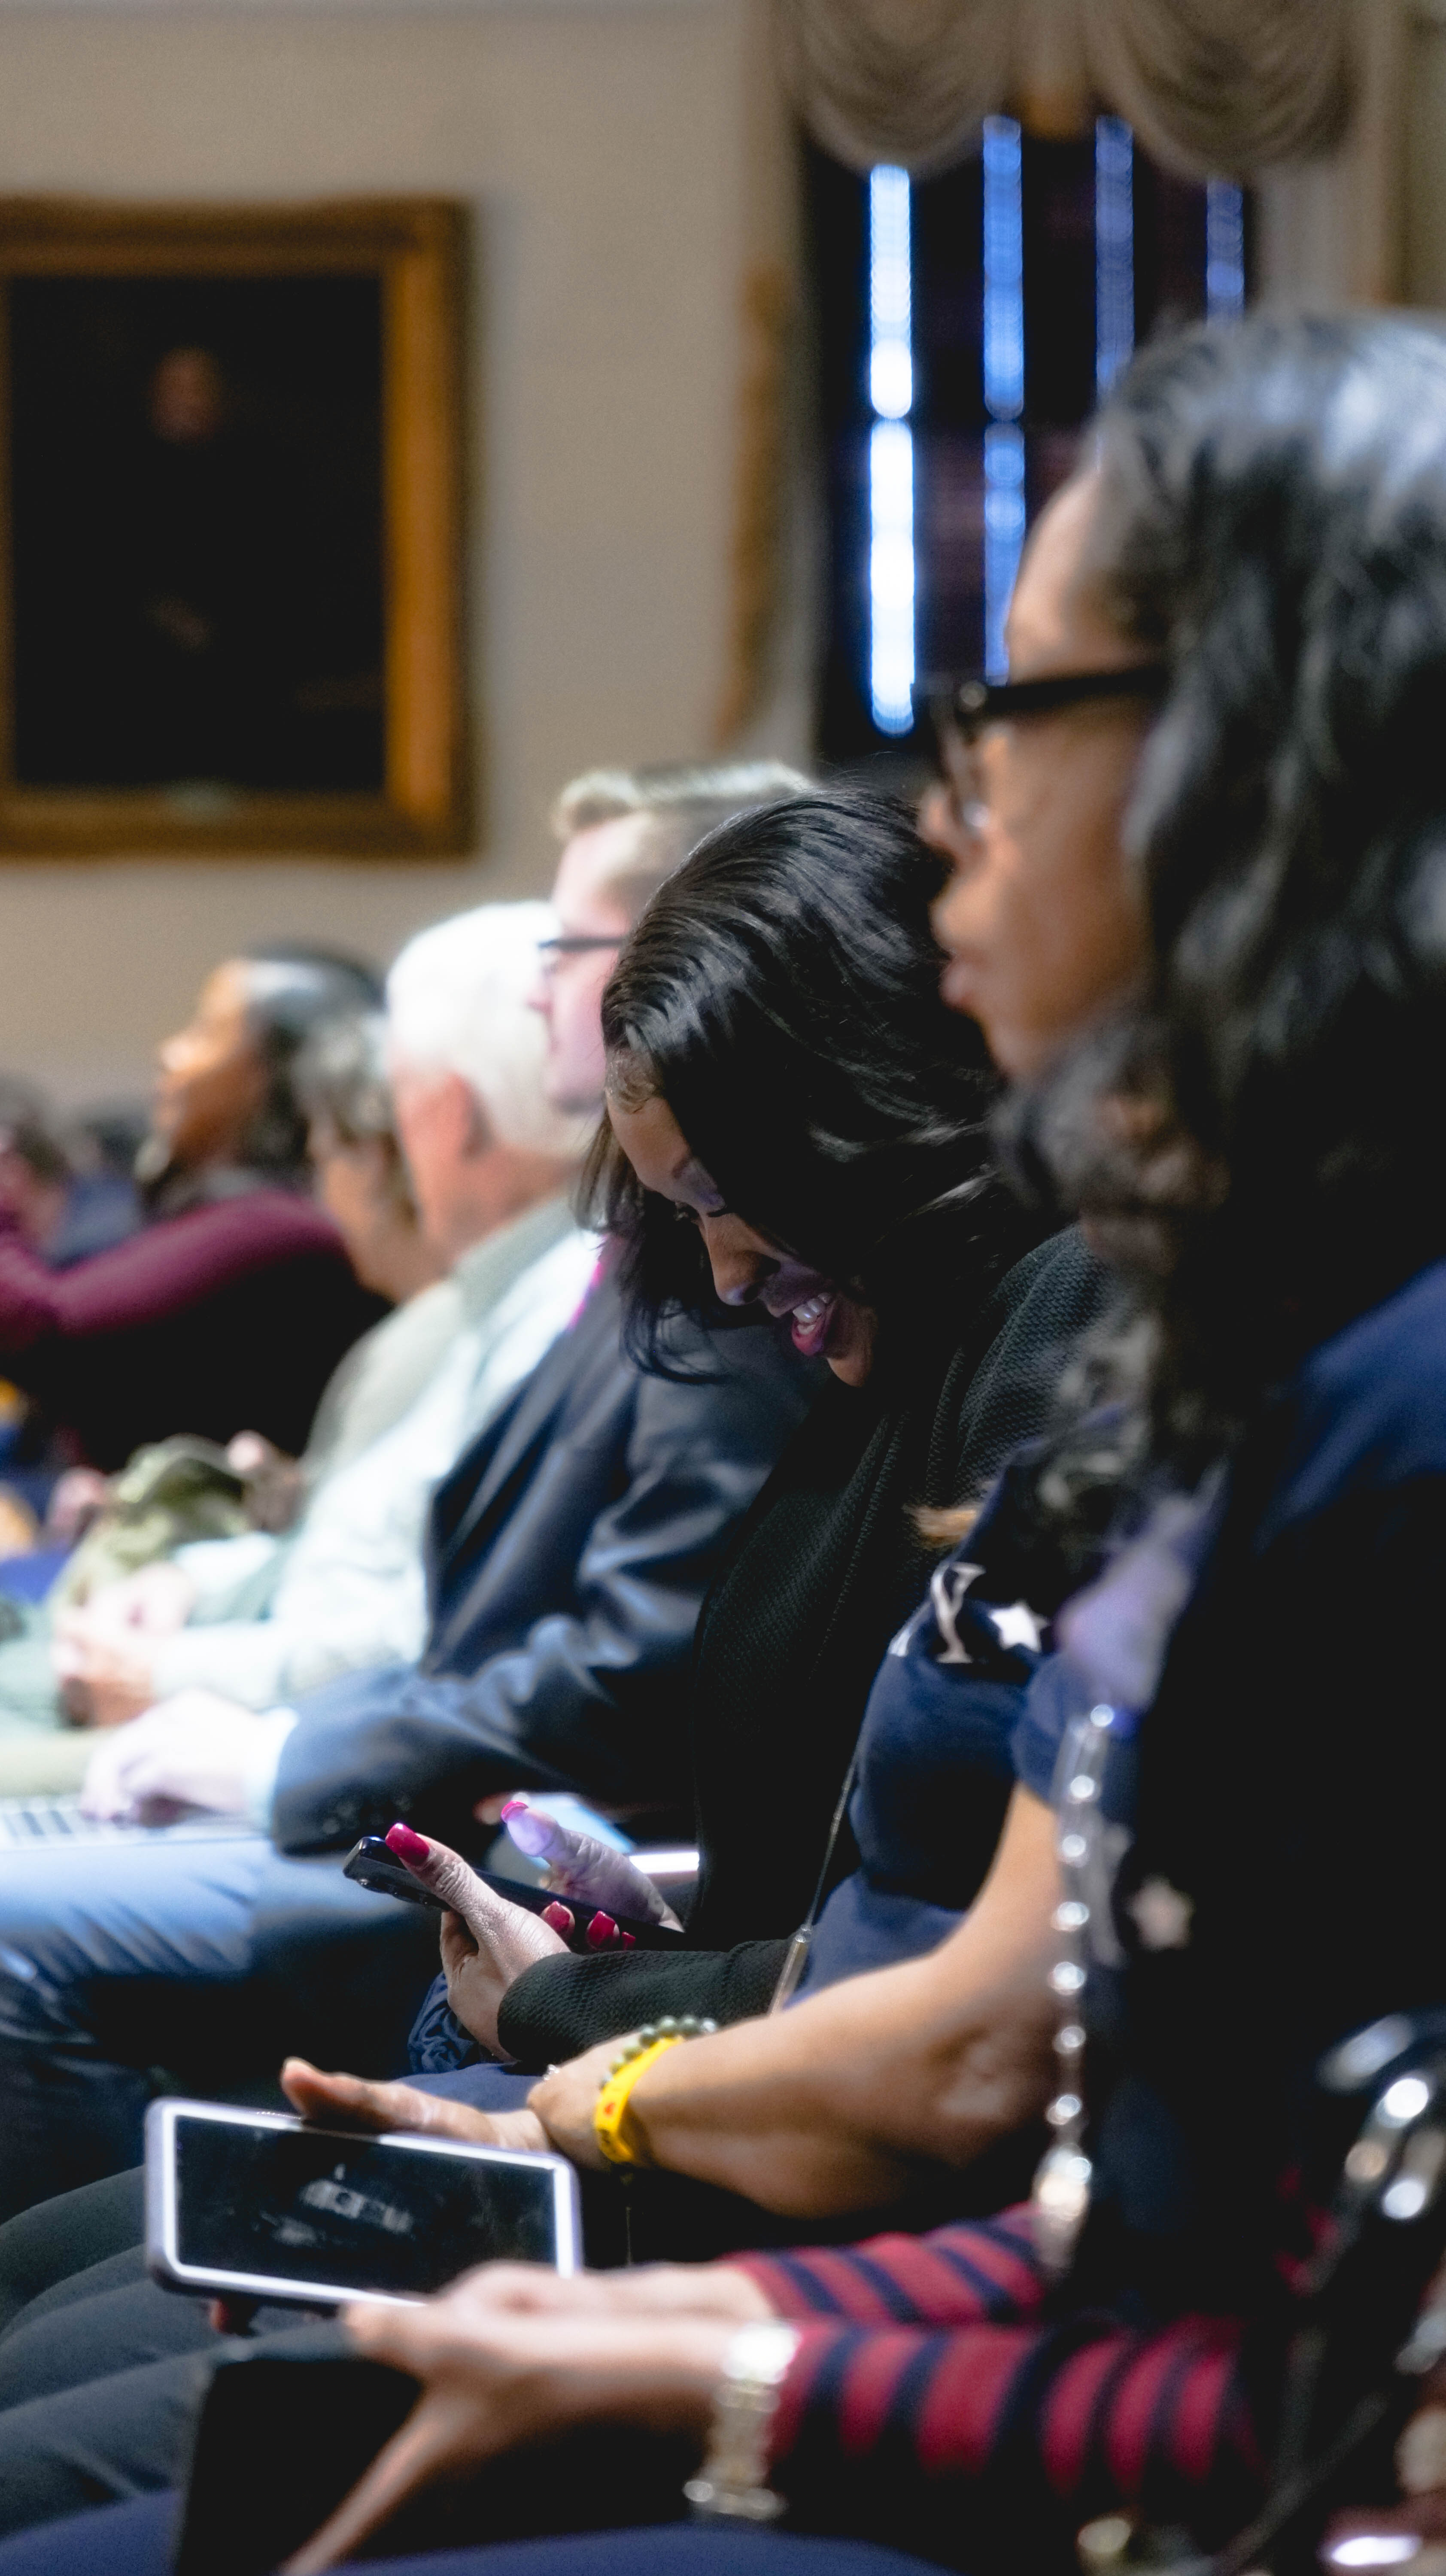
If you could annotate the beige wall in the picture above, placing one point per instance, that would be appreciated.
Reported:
(625, 161)
(1372, 225)
(612, 154)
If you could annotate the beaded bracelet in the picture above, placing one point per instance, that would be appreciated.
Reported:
(610, 2114)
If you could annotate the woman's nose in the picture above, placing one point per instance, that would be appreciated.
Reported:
(739, 1270)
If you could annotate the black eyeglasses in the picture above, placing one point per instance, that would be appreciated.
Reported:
(577, 943)
(959, 711)
(966, 707)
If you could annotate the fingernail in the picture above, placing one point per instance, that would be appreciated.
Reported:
(531, 1833)
(560, 1918)
(407, 1845)
(601, 1932)
(630, 1940)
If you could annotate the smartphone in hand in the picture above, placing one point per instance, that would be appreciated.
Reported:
(372, 1863)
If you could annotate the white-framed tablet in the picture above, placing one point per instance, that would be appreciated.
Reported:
(261, 2205)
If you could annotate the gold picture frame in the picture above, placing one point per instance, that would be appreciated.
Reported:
(320, 707)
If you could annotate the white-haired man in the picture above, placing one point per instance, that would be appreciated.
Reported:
(260, 1619)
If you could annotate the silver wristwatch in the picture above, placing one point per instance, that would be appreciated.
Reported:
(733, 2481)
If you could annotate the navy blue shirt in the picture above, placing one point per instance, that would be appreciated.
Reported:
(934, 1779)
(1275, 1791)
(967, 1699)
(1280, 1887)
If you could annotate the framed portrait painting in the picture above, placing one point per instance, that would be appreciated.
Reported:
(230, 528)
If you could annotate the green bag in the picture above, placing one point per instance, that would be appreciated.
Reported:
(164, 1497)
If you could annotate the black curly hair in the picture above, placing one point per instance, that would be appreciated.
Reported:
(1260, 1141)
(296, 990)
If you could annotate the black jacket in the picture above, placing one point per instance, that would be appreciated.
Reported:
(822, 1572)
(568, 1555)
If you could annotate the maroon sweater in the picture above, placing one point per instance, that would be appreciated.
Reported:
(228, 1318)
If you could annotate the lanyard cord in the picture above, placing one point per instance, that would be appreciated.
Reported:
(795, 1957)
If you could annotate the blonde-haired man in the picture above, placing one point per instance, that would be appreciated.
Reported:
(623, 831)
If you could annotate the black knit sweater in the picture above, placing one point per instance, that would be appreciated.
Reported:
(822, 1572)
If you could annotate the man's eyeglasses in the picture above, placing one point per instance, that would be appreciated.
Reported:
(573, 944)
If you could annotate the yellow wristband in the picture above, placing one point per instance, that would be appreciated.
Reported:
(610, 2122)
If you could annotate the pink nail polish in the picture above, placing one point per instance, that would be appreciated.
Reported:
(602, 1932)
(559, 1917)
(629, 1940)
(514, 1807)
(407, 1845)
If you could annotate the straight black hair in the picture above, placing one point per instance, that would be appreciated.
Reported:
(781, 994)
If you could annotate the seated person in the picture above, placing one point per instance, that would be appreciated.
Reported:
(1243, 1880)
(261, 1617)
(361, 1181)
(103, 1204)
(951, 1727)
(64, 1203)
(568, 1554)
(231, 1307)
(360, 1177)
(794, 936)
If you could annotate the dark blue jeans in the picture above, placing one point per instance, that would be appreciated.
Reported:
(201, 1963)
(135, 2540)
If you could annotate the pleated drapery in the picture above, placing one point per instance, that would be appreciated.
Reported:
(1212, 87)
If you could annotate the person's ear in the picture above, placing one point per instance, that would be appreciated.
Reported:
(446, 1107)
(438, 1112)
(374, 1159)
(476, 1136)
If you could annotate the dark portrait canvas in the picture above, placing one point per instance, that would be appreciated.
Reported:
(232, 529)
(196, 515)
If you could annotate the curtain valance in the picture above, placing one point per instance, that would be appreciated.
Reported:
(1213, 87)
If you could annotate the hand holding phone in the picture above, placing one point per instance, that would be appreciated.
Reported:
(372, 1863)
(486, 1941)
(376, 1862)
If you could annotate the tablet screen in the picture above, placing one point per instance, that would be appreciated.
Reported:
(313, 2207)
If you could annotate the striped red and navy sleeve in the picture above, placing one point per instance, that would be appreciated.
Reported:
(928, 2389)
(983, 2270)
